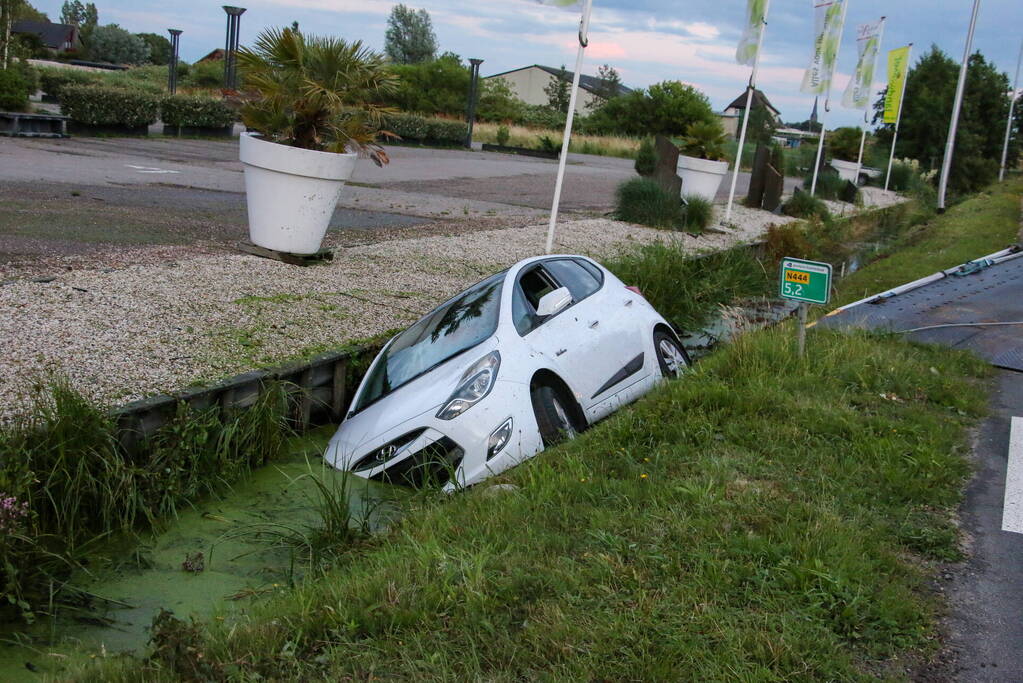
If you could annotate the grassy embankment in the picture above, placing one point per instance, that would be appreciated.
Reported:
(766, 517)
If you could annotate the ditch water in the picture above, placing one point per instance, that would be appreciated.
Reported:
(212, 559)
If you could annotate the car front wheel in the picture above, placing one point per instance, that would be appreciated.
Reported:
(553, 416)
(672, 358)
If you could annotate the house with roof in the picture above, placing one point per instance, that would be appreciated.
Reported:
(731, 117)
(56, 37)
(528, 83)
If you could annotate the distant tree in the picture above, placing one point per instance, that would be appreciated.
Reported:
(160, 48)
(409, 38)
(559, 91)
(113, 44)
(439, 86)
(72, 12)
(808, 125)
(608, 86)
(927, 108)
(497, 101)
(8, 10)
(27, 11)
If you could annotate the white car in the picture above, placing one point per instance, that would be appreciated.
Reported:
(519, 361)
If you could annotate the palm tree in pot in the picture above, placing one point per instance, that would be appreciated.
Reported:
(310, 106)
(701, 164)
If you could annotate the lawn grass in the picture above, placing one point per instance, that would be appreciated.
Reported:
(981, 225)
(766, 517)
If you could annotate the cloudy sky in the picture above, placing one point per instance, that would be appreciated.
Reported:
(646, 40)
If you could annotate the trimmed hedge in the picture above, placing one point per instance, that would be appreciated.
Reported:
(13, 90)
(196, 111)
(414, 128)
(52, 80)
(96, 105)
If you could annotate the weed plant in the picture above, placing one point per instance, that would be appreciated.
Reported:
(687, 290)
(696, 213)
(643, 201)
(79, 483)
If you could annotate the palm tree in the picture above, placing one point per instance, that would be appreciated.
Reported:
(315, 93)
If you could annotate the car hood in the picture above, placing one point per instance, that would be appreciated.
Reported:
(425, 394)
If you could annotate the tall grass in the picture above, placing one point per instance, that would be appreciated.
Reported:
(65, 460)
(521, 136)
(643, 201)
(687, 290)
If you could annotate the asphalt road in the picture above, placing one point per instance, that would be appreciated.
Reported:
(986, 594)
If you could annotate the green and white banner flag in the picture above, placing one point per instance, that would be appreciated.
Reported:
(868, 42)
(747, 50)
(827, 36)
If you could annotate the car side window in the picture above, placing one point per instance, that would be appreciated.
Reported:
(535, 282)
(523, 314)
(530, 288)
(597, 274)
(570, 273)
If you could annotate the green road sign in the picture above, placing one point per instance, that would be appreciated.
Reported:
(806, 281)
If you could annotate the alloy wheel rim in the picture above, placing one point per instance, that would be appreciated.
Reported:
(672, 356)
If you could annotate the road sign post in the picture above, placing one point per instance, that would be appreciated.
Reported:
(808, 282)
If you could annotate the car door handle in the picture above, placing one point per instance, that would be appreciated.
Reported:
(558, 353)
(628, 302)
(594, 324)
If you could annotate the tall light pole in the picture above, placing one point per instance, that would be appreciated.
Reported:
(946, 163)
(234, 17)
(172, 71)
(470, 116)
(1012, 105)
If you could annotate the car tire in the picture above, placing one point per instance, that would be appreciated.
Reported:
(671, 357)
(553, 415)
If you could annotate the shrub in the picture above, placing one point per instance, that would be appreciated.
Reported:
(787, 241)
(446, 131)
(196, 111)
(13, 90)
(502, 135)
(113, 44)
(844, 143)
(104, 106)
(208, 75)
(52, 80)
(668, 108)
(646, 157)
(408, 127)
(802, 205)
(829, 184)
(643, 201)
(697, 213)
(539, 116)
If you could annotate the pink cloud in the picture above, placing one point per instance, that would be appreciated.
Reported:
(598, 50)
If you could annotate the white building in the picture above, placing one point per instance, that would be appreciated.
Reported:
(528, 83)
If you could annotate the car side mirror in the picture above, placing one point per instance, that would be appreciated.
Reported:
(554, 302)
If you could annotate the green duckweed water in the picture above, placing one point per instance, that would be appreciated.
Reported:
(240, 562)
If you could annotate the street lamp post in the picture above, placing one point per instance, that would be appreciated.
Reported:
(172, 72)
(470, 116)
(234, 17)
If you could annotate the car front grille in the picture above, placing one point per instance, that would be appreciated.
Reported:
(433, 465)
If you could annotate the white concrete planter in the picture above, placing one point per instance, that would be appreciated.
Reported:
(846, 170)
(291, 193)
(701, 177)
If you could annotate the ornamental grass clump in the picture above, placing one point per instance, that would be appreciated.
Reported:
(316, 93)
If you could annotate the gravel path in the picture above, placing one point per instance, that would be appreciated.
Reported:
(121, 334)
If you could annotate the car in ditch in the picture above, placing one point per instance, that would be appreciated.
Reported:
(517, 362)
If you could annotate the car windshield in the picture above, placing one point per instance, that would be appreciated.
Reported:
(459, 324)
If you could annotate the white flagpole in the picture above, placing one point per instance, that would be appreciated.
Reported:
(898, 118)
(866, 121)
(584, 27)
(950, 143)
(1008, 125)
(745, 119)
(827, 107)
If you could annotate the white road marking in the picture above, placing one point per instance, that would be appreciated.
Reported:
(1012, 513)
(150, 169)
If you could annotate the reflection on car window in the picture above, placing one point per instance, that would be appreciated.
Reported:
(523, 313)
(591, 269)
(449, 329)
(569, 273)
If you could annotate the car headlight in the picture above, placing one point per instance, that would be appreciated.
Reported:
(499, 438)
(475, 384)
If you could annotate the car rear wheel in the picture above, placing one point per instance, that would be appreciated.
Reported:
(672, 358)
(553, 416)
